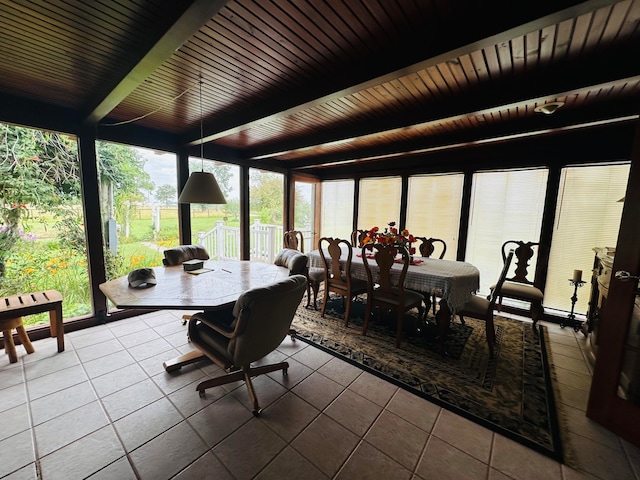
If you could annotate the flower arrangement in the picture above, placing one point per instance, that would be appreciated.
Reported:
(391, 235)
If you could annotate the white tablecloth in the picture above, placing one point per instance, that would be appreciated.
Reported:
(455, 281)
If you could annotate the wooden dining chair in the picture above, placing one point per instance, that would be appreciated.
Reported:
(427, 248)
(294, 239)
(385, 292)
(337, 277)
(519, 286)
(358, 236)
(482, 308)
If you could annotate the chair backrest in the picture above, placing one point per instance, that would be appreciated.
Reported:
(428, 246)
(389, 286)
(178, 255)
(358, 236)
(263, 318)
(293, 239)
(495, 294)
(292, 259)
(523, 253)
(334, 273)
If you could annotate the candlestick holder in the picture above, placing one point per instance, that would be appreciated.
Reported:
(571, 320)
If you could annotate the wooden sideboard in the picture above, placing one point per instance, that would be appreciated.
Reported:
(600, 278)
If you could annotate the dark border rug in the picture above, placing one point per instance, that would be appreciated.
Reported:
(511, 394)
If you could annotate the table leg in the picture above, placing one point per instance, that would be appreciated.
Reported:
(443, 319)
(178, 362)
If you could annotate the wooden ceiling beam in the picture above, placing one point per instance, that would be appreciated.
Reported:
(196, 15)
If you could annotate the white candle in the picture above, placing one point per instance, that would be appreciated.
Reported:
(577, 276)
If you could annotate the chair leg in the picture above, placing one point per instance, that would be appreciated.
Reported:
(399, 327)
(316, 288)
(325, 301)
(347, 310)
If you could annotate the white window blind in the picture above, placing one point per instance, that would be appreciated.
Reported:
(336, 214)
(505, 205)
(434, 203)
(587, 216)
(379, 202)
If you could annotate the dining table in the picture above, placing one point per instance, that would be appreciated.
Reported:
(217, 285)
(453, 281)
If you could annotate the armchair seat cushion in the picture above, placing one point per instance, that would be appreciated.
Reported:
(476, 307)
(520, 291)
(410, 297)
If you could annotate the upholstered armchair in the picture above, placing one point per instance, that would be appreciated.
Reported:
(255, 326)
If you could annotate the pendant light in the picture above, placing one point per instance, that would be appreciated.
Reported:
(201, 187)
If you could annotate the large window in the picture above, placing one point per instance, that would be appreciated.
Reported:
(336, 215)
(587, 216)
(379, 202)
(434, 208)
(217, 227)
(304, 212)
(42, 237)
(505, 205)
(266, 211)
(139, 208)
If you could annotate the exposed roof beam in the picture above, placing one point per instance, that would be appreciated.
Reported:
(197, 15)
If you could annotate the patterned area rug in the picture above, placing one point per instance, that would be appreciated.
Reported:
(511, 394)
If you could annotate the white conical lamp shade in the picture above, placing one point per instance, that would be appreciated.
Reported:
(201, 187)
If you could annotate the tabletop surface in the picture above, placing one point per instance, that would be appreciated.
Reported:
(178, 289)
(455, 280)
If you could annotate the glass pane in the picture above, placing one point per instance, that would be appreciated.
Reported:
(304, 213)
(266, 208)
(434, 208)
(217, 227)
(42, 237)
(505, 205)
(138, 202)
(587, 216)
(379, 202)
(336, 215)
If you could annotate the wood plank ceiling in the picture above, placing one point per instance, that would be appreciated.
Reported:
(316, 85)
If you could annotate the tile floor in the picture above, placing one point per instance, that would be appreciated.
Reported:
(106, 409)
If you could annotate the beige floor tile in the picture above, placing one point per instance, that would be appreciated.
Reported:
(574, 397)
(399, 439)
(169, 453)
(326, 444)
(296, 373)
(64, 360)
(14, 420)
(188, 401)
(522, 463)
(204, 467)
(374, 388)
(218, 420)
(146, 423)
(573, 364)
(312, 357)
(249, 449)
(74, 460)
(340, 371)
(267, 391)
(59, 403)
(119, 379)
(120, 469)
(354, 412)
(318, 390)
(108, 363)
(369, 463)
(415, 410)
(290, 464)
(465, 435)
(601, 461)
(22, 452)
(67, 428)
(54, 382)
(578, 423)
(288, 416)
(443, 461)
(580, 381)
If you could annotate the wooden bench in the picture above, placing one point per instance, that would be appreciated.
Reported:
(12, 309)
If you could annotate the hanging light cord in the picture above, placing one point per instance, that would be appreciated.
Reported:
(201, 130)
(124, 122)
